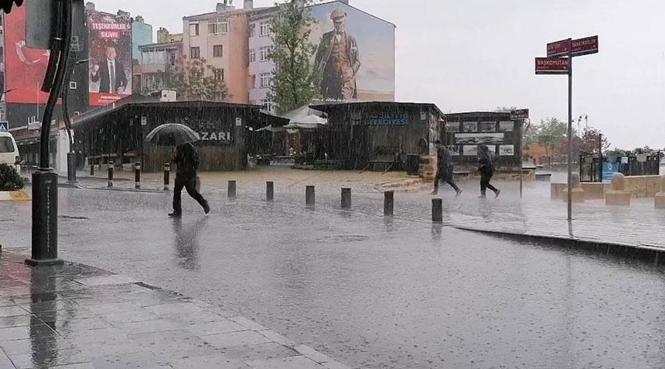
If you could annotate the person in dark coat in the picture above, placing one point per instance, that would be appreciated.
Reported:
(187, 162)
(445, 169)
(486, 169)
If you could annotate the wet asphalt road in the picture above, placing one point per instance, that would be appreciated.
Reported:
(369, 292)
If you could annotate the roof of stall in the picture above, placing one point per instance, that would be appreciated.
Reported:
(328, 105)
(100, 114)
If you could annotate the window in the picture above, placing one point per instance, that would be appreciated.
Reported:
(195, 53)
(6, 145)
(218, 28)
(73, 85)
(252, 81)
(264, 53)
(252, 55)
(218, 51)
(266, 78)
(218, 74)
(265, 29)
(252, 30)
(193, 29)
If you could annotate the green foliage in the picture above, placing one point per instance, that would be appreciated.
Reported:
(197, 80)
(10, 180)
(589, 141)
(296, 78)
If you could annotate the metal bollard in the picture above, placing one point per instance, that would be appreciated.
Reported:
(270, 191)
(137, 176)
(92, 169)
(71, 167)
(437, 210)
(232, 189)
(110, 174)
(167, 175)
(388, 203)
(346, 198)
(310, 196)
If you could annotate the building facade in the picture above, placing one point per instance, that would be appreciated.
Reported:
(158, 62)
(221, 39)
(141, 35)
(357, 67)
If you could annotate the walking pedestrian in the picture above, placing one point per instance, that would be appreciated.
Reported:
(445, 169)
(187, 162)
(486, 168)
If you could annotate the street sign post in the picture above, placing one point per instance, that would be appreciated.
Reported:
(559, 60)
(520, 114)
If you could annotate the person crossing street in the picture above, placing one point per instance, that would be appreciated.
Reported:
(445, 169)
(187, 163)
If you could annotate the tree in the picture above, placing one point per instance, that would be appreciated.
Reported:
(589, 141)
(296, 78)
(194, 79)
(552, 133)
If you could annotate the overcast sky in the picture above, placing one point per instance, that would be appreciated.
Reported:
(478, 55)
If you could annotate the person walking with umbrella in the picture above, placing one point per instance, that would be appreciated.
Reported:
(186, 160)
(486, 169)
(445, 169)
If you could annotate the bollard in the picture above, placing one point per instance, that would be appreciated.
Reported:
(437, 210)
(270, 191)
(310, 196)
(110, 176)
(232, 189)
(346, 198)
(71, 167)
(388, 203)
(137, 176)
(92, 169)
(167, 175)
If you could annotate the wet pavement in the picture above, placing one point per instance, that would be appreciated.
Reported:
(80, 317)
(374, 292)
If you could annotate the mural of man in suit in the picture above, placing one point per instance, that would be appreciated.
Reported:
(338, 60)
(110, 73)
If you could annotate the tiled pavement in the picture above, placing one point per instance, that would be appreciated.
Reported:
(80, 317)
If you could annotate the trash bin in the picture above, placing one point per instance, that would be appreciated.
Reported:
(412, 164)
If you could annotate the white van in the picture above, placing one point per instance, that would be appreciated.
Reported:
(9, 151)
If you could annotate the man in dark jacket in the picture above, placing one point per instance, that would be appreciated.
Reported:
(486, 169)
(187, 162)
(445, 169)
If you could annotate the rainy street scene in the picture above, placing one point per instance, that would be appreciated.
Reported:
(331, 184)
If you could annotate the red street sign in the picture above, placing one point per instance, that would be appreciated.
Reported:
(579, 47)
(552, 65)
(559, 48)
(585, 46)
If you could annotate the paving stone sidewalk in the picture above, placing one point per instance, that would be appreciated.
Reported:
(79, 317)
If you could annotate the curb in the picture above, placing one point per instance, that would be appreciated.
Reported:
(644, 253)
(16, 196)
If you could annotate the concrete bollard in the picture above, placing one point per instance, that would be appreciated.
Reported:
(660, 196)
(110, 174)
(232, 189)
(388, 203)
(310, 196)
(167, 176)
(578, 192)
(137, 176)
(437, 210)
(618, 196)
(346, 198)
(270, 191)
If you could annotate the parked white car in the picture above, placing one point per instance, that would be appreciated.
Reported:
(9, 151)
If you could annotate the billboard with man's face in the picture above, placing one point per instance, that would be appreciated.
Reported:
(110, 44)
(355, 53)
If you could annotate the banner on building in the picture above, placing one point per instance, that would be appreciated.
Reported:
(25, 67)
(110, 43)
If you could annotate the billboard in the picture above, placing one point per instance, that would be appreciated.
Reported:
(110, 45)
(355, 53)
(25, 67)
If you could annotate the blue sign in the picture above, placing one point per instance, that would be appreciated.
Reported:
(4, 126)
(609, 170)
(388, 119)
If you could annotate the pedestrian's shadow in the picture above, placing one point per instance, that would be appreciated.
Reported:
(187, 242)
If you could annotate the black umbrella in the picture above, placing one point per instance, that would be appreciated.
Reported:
(172, 134)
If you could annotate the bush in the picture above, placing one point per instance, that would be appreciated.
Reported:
(10, 180)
